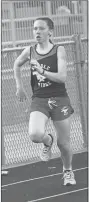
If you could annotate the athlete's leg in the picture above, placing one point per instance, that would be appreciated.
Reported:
(61, 118)
(63, 142)
(39, 114)
(37, 124)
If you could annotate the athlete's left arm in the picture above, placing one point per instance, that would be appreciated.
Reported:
(61, 75)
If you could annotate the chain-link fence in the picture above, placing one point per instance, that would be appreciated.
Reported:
(70, 17)
(15, 115)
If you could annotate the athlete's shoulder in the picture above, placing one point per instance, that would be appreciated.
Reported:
(60, 47)
(26, 48)
(26, 51)
(61, 50)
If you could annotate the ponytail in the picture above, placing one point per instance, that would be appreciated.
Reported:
(50, 41)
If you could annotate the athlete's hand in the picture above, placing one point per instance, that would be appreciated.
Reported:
(20, 94)
(35, 65)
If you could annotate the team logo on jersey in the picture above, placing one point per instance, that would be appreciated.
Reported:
(40, 77)
(42, 80)
(65, 110)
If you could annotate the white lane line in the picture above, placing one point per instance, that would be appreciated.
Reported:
(62, 194)
(38, 178)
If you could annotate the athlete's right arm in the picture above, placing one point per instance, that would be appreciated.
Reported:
(23, 58)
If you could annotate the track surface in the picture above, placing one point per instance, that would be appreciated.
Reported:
(43, 182)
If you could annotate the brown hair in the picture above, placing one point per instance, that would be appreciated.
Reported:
(48, 21)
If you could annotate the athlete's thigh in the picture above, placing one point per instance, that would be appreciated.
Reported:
(38, 115)
(37, 122)
(62, 109)
(61, 117)
(63, 130)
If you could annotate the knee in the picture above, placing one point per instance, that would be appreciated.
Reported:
(36, 136)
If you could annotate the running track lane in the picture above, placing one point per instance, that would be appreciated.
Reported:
(48, 188)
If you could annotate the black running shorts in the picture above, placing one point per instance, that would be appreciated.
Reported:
(58, 108)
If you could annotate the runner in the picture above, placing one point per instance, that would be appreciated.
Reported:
(50, 98)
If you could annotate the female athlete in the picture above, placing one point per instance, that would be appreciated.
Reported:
(50, 98)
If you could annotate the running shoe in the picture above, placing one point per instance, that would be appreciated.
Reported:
(69, 178)
(46, 152)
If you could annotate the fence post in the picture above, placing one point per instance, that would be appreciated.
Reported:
(82, 58)
(2, 150)
(78, 64)
(48, 8)
(11, 4)
(85, 18)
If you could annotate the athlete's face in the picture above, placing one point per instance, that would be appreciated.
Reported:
(41, 31)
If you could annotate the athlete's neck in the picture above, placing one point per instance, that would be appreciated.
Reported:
(44, 47)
